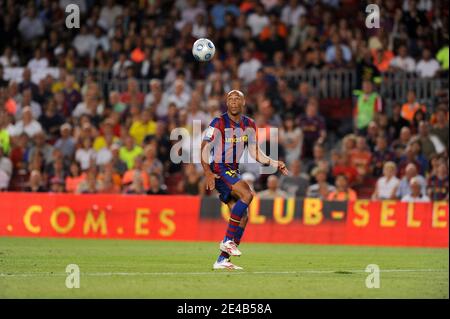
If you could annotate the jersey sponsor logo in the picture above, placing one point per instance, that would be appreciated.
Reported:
(236, 139)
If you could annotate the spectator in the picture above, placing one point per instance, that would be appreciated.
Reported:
(27, 124)
(442, 57)
(337, 46)
(66, 143)
(343, 192)
(427, 67)
(411, 107)
(110, 180)
(6, 170)
(41, 146)
(179, 96)
(291, 13)
(74, 178)
(119, 165)
(38, 62)
(367, 105)
(191, 184)
(51, 120)
(440, 128)
(343, 166)
(155, 186)
(248, 68)
(438, 184)
(296, 184)
(89, 185)
(257, 20)
(381, 155)
(56, 185)
(142, 127)
(429, 143)
(129, 151)
(291, 138)
(403, 62)
(86, 155)
(396, 122)
(416, 195)
(313, 127)
(35, 183)
(273, 190)
(404, 187)
(321, 189)
(109, 12)
(30, 26)
(27, 83)
(360, 158)
(129, 176)
(387, 185)
(27, 101)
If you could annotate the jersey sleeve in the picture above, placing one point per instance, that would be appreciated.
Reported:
(252, 132)
(212, 130)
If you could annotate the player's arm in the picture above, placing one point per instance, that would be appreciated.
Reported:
(262, 158)
(210, 177)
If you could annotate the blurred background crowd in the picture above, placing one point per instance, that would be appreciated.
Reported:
(126, 78)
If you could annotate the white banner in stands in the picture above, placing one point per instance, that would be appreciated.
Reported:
(15, 74)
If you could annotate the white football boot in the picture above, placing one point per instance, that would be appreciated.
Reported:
(230, 248)
(226, 264)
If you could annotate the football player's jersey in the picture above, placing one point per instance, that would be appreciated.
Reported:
(229, 139)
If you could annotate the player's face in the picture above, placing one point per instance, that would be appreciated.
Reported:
(235, 103)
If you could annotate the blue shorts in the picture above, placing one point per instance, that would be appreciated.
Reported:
(228, 178)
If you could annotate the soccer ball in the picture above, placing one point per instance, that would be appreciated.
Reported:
(203, 50)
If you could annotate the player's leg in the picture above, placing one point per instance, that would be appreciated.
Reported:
(245, 195)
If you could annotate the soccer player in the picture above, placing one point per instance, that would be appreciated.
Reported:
(225, 140)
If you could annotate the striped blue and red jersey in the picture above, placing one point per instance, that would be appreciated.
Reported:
(229, 139)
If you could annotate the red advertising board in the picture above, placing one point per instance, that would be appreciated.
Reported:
(387, 223)
(98, 216)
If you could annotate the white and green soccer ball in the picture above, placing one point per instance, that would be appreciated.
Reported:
(203, 50)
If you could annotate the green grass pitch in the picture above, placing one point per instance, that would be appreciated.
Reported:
(35, 268)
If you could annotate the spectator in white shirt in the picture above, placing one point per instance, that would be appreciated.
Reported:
(179, 97)
(257, 20)
(86, 155)
(292, 12)
(416, 195)
(27, 125)
(30, 26)
(38, 62)
(402, 61)
(120, 67)
(248, 68)
(404, 187)
(427, 66)
(9, 59)
(84, 42)
(386, 186)
(27, 100)
(110, 12)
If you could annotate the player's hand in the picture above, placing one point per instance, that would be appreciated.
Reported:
(211, 181)
(279, 165)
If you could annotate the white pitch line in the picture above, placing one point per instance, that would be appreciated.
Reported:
(223, 272)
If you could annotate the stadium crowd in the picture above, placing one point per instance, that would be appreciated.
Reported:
(65, 134)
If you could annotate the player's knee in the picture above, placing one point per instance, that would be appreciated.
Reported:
(247, 197)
